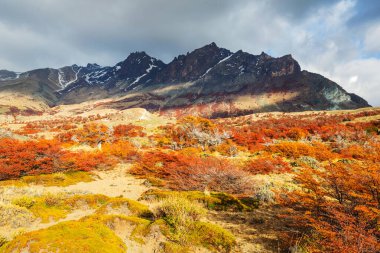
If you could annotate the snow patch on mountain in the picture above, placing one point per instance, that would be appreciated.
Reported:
(6, 75)
(147, 71)
(225, 59)
(222, 60)
(63, 82)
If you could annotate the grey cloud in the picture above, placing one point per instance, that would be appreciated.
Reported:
(323, 35)
(367, 12)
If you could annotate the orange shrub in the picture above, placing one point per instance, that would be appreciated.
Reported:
(296, 133)
(86, 161)
(338, 208)
(267, 165)
(355, 151)
(124, 131)
(20, 158)
(298, 149)
(227, 149)
(121, 149)
(89, 134)
(292, 149)
(182, 172)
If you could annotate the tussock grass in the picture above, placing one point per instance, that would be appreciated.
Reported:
(47, 207)
(70, 236)
(213, 237)
(133, 207)
(179, 212)
(15, 216)
(55, 179)
(139, 232)
(57, 206)
(3, 241)
(179, 218)
(213, 200)
(180, 221)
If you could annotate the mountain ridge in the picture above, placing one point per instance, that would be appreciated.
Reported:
(209, 81)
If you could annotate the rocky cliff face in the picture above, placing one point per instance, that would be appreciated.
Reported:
(210, 81)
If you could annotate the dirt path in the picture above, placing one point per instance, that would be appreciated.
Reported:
(113, 183)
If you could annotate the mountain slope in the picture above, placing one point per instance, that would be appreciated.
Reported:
(211, 81)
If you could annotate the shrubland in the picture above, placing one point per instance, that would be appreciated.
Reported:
(316, 174)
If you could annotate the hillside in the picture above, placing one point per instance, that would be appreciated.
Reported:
(263, 182)
(209, 81)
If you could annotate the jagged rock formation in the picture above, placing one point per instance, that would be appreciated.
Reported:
(211, 81)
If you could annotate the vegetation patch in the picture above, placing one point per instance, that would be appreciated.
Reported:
(139, 232)
(15, 216)
(134, 207)
(180, 222)
(188, 172)
(213, 237)
(48, 207)
(55, 179)
(212, 200)
(314, 174)
(54, 207)
(71, 236)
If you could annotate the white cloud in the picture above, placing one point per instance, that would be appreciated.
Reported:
(353, 79)
(372, 38)
(360, 77)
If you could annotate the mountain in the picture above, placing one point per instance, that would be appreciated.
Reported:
(210, 81)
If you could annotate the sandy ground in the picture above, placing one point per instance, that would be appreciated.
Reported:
(112, 183)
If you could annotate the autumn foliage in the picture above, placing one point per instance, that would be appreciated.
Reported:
(20, 158)
(183, 172)
(337, 207)
(266, 165)
(327, 165)
(193, 131)
(298, 149)
(93, 133)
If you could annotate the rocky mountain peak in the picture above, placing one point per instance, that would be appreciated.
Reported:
(212, 44)
(7, 75)
(264, 55)
(139, 67)
(208, 78)
(92, 66)
(192, 66)
(137, 58)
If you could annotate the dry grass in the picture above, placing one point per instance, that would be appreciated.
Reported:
(184, 228)
(14, 216)
(55, 179)
(179, 212)
(54, 207)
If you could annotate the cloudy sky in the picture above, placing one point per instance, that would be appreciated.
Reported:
(339, 39)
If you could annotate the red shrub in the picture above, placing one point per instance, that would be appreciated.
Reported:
(121, 149)
(183, 172)
(20, 158)
(267, 165)
(123, 131)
